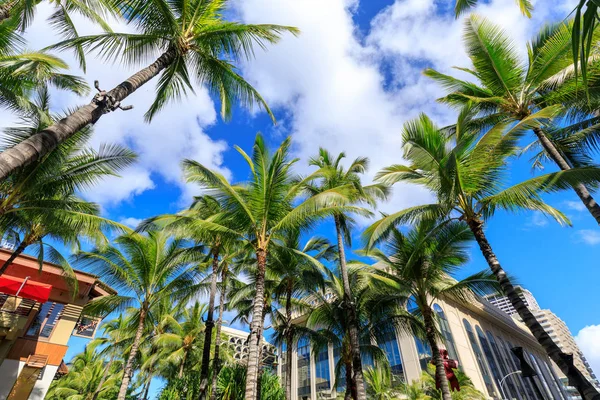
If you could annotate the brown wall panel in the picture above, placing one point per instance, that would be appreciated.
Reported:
(23, 348)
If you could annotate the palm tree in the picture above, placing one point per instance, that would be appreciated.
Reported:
(329, 323)
(466, 172)
(41, 201)
(420, 264)
(182, 338)
(462, 6)
(258, 211)
(196, 42)
(300, 273)
(145, 269)
(379, 384)
(332, 175)
(183, 225)
(508, 89)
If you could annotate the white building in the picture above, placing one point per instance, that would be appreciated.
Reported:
(237, 341)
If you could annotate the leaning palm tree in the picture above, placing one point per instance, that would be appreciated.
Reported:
(333, 175)
(41, 201)
(145, 269)
(259, 210)
(466, 172)
(194, 42)
(420, 263)
(508, 89)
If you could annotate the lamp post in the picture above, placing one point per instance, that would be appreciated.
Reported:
(502, 382)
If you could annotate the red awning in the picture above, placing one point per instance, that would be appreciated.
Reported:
(31, 289)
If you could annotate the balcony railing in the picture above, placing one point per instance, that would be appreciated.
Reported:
(14, 305)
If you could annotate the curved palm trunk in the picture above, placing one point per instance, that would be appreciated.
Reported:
(255, 326)
(582, 192)
(289, 342)
(209, 327)
(216, 360)
(352, 318)
(103, 379)
(43, 142)
(182, 366)
(128, 372)
(436, 358)
(564, 361)
(20, 249)
(350, 386)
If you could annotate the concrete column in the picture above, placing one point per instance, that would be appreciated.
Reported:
(313, 376)
(331, 369)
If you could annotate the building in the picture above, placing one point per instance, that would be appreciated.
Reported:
(504, 304)
(237, 342)
(555, 327)
(39, 312)
(478, 335)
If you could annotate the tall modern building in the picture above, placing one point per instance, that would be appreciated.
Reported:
(39, 312)
(237, 342)
(478, 335)
(554, 326)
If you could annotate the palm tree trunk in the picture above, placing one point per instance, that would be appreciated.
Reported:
(350, 386)
(20, 249)
(216, 360)
(5, 10)
(103, 379)
(440, 372)
(182, 366)
(564, 361)
(580, 189)
(289, 342)
(255, 329)
(260, 356)
(128, 372)
(352, 318)
(40, 144)
(147, 389)
(208, 327)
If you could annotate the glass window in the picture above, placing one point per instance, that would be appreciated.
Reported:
(423, 349)
(446, 333)
(549, 376)
(303, 368)
(540, 376)
(389, 344)
(479, 357)
(45, 321)
(497, 372)
(508, 365)
(322, 378)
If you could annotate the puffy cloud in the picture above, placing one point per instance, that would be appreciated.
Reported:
(588, 340)
(131, 222)
(588, 236)
(574, 205)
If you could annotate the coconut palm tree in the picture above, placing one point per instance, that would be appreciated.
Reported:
(379, 384)
(145, 269)
(466, 172)
(182, 337)
(183, 225)
(41, 201)
(195, 42)
(421, 263)
(300, 273)
(508, 89)
(329, 323)
(258, 211)
(332, 175)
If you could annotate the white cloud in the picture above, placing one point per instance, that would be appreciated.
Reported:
(575, 205)
(588, 340)
(537, 220)
(131, 222)
(588, 236)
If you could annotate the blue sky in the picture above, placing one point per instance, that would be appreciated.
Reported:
(348, 83)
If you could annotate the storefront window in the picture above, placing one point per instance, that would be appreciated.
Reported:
(303, 369)
(389, 344)
(479, 357)
(446, 333)
(322, 378)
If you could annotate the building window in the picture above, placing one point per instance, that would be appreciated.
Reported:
(389, 344)
(322, 378)
(479, 357)
(506, 367)
(549, 376)
(303, 368)
(340, 380)
(514, 361)
(540, 376)
(45, 321)
(497, 373)
(446, 333)
(423, 349)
